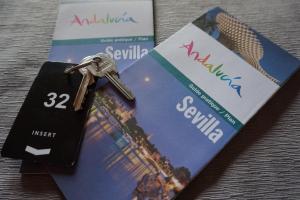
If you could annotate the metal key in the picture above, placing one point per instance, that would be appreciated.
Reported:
(87, 79)
(101, 65)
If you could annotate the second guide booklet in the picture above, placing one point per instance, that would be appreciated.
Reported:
(194, 92)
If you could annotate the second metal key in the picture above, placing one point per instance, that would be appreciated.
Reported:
(107, 68)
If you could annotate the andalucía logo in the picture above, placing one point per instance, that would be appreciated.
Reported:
(108, 19)
(213, 69)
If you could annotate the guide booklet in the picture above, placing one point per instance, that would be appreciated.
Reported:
(123, 29)
(194, 92)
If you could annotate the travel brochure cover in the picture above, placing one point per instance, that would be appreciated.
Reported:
(193, 93)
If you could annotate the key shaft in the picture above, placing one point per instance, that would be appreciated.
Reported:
(114, 79)
(87, 80)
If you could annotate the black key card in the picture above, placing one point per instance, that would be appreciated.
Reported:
(47, 128)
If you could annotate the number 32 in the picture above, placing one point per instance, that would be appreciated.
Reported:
(52, 100)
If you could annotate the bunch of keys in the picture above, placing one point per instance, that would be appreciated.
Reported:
(47, 128)
(100, 66)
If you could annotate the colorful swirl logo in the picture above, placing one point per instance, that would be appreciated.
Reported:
(213, 69)
(108, 19)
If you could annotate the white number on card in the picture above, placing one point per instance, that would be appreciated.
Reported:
(52, 96)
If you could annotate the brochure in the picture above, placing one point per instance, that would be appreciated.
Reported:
(124, 29)
(194, 92)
